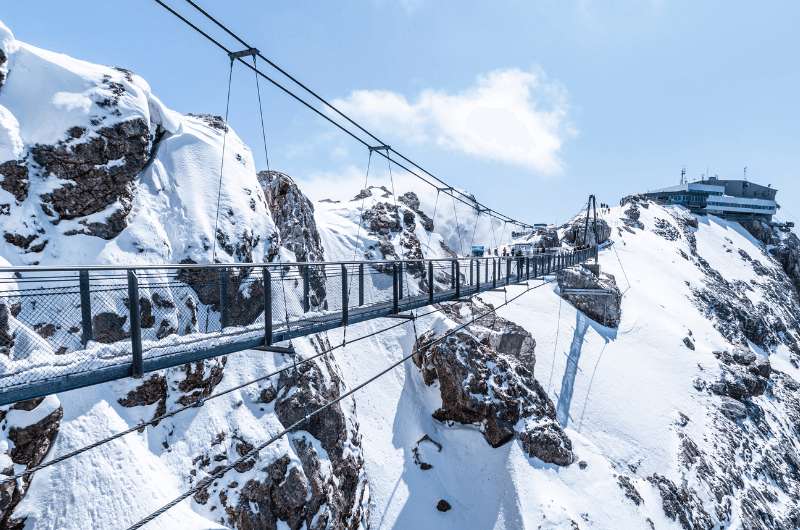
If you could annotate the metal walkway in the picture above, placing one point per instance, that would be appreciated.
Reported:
(69, 327)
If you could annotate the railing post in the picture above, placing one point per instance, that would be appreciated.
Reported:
(485, 270)
(395, 299)
(400, 281)
(508, 271)
(223, 297)
(535, 261)
(471, 279)
(86, 308)
(494, 273)
(345, 301)
(453, 274)
(527, 268)
(430, 282)
(458, 279)
(267, 279)
(360, 284)
(306, 290)
(137, 368)
(478, 275)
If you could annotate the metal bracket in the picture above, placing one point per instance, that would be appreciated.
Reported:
(405, 316)
(244, 53)
(289, 350)
(379, 148)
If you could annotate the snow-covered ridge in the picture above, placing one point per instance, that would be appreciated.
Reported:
(96, 169)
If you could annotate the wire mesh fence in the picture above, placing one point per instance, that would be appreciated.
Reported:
(65, 322)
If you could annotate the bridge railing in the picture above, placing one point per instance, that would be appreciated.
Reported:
(81, 325)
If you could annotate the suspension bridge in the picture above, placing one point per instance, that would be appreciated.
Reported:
(65, 328)
(72, 327)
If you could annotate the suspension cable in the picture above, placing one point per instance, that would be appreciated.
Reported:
(222, 164)
(452, 192)
(433, 220)
(458, 229)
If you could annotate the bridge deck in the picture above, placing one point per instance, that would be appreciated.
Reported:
(70, 327)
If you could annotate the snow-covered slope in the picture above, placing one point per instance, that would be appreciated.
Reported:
(97, 170)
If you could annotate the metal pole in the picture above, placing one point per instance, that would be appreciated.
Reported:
(494, 273)
(430, 282)
(400, 281)
(306, 290)
(345, 300)
(137, 368)
(458, 279)
(86, 308)
(452, 274)
(508, 270)
(223, 298)
(395, 299)
(477, 276)
(267, 307)
(360, 284)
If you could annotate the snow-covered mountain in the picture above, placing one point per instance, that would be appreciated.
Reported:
(672, 403)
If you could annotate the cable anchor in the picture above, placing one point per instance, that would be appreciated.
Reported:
(243, 53)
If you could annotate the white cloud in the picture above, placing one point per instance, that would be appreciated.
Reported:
(511, 116)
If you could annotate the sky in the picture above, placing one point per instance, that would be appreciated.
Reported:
(529, 105)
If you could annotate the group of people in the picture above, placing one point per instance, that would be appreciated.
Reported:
(604, 208)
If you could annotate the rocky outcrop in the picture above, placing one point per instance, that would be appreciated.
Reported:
(30, 440)
(784, 246)
(319, 483)
(492, 389)
(602, 308)
(394, 225)
(98, 170)
(293, 215)
(598, 232)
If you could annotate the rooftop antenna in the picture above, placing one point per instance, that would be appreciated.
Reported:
(683, 175)
(745, 172)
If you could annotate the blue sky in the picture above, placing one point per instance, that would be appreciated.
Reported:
(530, 105)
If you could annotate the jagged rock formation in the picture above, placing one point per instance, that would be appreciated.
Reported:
(573, 232)
(317, 480)
(293, 215)
(485, 378)
(604, 309)
(393, 225)
(32, 427)
(783, 245)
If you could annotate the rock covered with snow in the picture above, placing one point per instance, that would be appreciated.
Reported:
(573, 232)
(604, 307)
(484, 375)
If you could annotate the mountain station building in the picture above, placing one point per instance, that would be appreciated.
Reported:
(732, 199)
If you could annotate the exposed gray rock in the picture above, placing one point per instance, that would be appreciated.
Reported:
(92, 182)
(603, 309)
(494, 391)
(15, 179)
(293, 215)
(30, 445)
(574, 232)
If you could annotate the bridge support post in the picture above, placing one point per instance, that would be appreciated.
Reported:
(137, 369)
(360, 284)
(395, 298)
(345, 297)
(306, 290)
(86, 308)
(471, 263)
(430, 282)
(458, 278)
(267, 279)
(400, 281)
(224, 303)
